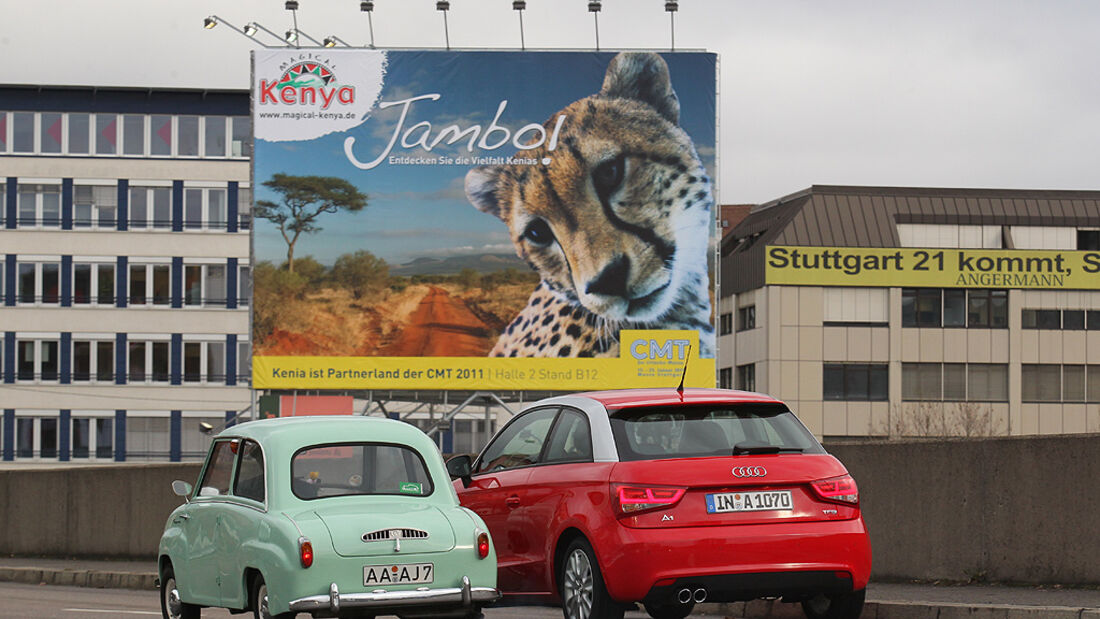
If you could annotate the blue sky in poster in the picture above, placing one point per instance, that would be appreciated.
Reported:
(421, 210)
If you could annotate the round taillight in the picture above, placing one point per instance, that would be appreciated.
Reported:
(305, 552)
(483, 545)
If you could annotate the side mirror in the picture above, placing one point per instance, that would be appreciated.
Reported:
(182, 488)
(460, 467)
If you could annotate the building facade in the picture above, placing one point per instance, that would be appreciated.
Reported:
(124, 270)
(918, 312)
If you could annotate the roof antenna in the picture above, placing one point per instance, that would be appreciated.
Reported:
(680, 389)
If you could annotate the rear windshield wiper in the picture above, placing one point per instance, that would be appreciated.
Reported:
(749, 447)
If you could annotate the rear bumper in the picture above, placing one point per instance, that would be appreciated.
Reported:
(428, 601)
(736, 562)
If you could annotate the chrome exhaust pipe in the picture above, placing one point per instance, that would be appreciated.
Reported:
(700, 596)
(684, 596)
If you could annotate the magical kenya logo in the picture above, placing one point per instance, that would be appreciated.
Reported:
(307, 82)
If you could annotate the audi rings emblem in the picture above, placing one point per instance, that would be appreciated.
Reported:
(749, 471)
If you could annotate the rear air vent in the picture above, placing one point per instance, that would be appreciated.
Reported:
(383, 535)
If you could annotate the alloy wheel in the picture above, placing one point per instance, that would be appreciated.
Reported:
(578, 585)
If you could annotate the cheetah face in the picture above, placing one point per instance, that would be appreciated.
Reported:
(618, 221)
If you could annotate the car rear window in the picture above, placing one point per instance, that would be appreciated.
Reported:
(358, 469)
(695, 431)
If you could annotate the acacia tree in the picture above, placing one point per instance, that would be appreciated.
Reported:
(361, 272)
(304, 200)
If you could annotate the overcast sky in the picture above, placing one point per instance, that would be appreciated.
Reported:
(997, 93)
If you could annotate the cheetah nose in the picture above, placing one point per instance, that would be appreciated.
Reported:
(612, 280)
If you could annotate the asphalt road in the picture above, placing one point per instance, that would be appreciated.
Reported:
(19, 601)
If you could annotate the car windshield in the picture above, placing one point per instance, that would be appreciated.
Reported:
(711, 430)
(358, 468)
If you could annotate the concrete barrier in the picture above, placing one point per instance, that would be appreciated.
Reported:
(88, 511)
(1001, 510)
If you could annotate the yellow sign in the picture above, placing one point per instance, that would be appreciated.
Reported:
(646, 359)
(933, 268)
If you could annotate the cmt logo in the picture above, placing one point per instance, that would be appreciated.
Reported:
(652, 349)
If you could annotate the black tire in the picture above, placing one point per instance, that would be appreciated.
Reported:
(580, 583)
(171, 606)
(673, 610)
(258, 597)
(840, 606)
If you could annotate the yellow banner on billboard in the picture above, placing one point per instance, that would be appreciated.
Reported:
(646, 359)
(932, 267)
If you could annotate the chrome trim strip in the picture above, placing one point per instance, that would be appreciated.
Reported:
(449, 596)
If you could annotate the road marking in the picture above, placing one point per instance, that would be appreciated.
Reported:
(109, 610)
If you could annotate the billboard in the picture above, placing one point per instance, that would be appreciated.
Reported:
(483, 220)
(933, 267)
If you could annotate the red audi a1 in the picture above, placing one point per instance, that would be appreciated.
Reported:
(599, 500)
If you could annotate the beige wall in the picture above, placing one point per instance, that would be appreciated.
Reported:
(791, 343)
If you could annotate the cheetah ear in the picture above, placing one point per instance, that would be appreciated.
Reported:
(481, 189)
(642, 76)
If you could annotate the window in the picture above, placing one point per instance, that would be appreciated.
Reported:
(22, 132)
(1093, 320)
(147, 361)
(80, 127)
(104, 438)
(95, 206)
(241, 146)
(24, 434)
(187, 144)
(571, 440)
(519, 443)
(1069, 320)
(93, 359)
(160, 135)
(82, 437)
(244, 289)
(1060, 383)
(324, 471)
(954, 307)
(47, 437)
(219, 470)
(214, 133)
(39, 205)
(983, 382)
(204, 208)
(1088, 240)
(725, 378)
(746, 318)
(203, 362)
(249, 482)
(150, 283)
(133, 134)
(244, 207)
(1073, 320)
(856, 381)
(244, 362)
(844, 306)
(150, 207)
(28, 282)
(3, 132)
(746, 377)
(36, 360)
(106, 138)
(91, 436)
(725, 324)
(93, 283)
(39, 282)
(50, 133)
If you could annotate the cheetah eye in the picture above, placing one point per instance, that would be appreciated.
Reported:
(538, 233)
(608, 176)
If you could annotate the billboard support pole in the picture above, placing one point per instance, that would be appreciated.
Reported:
(449, 415)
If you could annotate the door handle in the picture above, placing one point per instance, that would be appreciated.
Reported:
(512, 502)
(181, 517)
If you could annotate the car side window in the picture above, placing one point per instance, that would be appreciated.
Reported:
(219, 470)
(571, 440)
(519, 444)
(249, 483)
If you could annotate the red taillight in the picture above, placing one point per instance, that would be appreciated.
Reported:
(305, 551)
(838, 489)
(635, 499)
(483, 545)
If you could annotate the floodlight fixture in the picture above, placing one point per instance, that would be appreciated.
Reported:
(672, 6)
(250, 29)
(331, 41)
(212, 21)
(292, 5)
(594, 6)
(259, 26)
(291, 36)
(366, 6)
(442, 5)
(519, 6)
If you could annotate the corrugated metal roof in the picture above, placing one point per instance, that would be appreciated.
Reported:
(846, 216)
